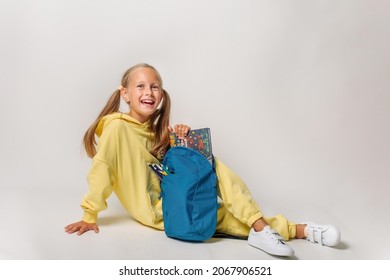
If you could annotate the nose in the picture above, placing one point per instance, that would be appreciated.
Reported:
(148, 91)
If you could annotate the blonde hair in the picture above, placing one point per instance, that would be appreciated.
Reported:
(159, 120)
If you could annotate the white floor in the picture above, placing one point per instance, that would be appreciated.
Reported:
(34, 217)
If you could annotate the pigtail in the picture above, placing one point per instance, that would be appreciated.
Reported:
(160, 122)
(112, 106)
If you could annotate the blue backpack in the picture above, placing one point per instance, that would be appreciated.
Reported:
(189, 195)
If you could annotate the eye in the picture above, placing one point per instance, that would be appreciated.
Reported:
(156, 87)
(140, 86)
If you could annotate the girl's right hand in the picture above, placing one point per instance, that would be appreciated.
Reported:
(181, 130)
(81, 227)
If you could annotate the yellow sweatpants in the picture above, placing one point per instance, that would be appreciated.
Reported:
(238, 209)
(120, 166)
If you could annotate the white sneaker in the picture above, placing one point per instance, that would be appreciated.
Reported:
(322, 234)
(270, 242)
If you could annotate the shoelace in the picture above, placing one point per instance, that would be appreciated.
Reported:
(276, 236)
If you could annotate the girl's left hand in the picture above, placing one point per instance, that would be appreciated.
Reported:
(181, 130)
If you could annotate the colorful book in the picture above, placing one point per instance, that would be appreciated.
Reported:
(197, 139)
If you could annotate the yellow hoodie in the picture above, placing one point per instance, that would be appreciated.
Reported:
(120, 166)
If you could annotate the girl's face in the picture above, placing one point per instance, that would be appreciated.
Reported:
(144, 93)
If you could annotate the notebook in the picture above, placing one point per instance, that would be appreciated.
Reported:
(197, 139)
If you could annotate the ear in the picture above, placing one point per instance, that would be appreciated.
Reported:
(125, 94)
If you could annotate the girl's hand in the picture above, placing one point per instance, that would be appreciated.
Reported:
(181, 130)
(81, 227)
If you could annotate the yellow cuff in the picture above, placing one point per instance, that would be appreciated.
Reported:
(254, 218)
(90, 217)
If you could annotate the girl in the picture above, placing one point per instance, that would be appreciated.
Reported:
(128, 141)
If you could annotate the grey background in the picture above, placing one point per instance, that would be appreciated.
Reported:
(296, 93)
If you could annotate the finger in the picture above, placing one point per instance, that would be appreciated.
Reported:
(180, 130)
(69, 226)
(72, 229)
(170, 129)
(179, 133)
(186, 130)
(82, 230)
(96, 229)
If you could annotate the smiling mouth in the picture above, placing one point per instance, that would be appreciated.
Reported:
(148, 102)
